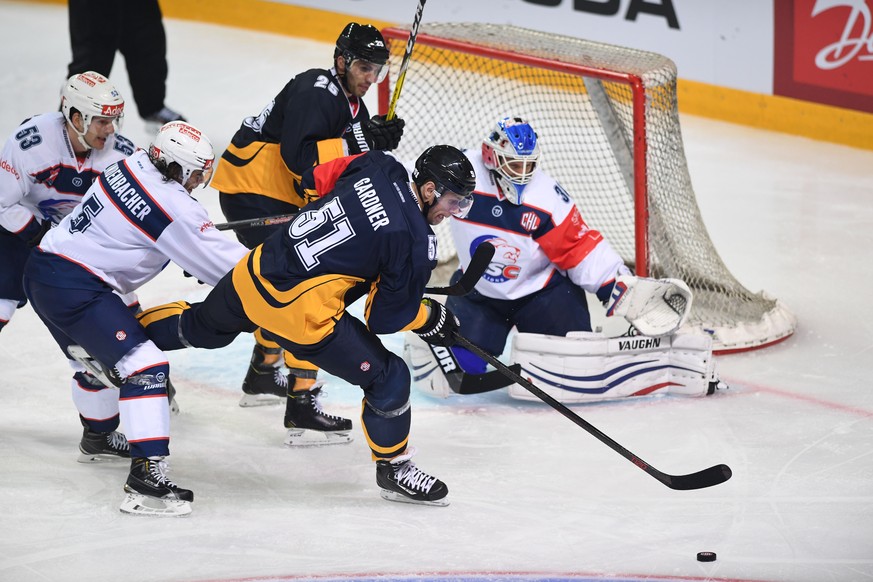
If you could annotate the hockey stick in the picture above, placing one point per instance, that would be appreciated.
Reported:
(250, 222)
(699, 480)
(463, 383)
(404, 64)
(478, 264)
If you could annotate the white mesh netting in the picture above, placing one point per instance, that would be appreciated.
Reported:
(579, 97)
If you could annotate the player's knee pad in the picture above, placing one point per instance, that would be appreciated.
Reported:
(586, 366)
(143, 357)
(389, 394)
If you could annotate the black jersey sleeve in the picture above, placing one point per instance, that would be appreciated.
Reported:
(395, 301)
(315, 109)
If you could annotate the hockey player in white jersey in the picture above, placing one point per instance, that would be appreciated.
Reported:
(136, 218)
(547, 258)
(47, 165)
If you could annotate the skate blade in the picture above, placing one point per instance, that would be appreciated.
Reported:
(300, 437)
(251, 400)
(137, 504)
(394, 496)
(99, 458)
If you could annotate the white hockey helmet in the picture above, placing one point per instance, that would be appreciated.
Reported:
(184, 144)
(92, 95)
(511, 151)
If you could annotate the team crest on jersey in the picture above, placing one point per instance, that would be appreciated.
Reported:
(504, 266)
(431, 247)
(530, 221)
(120, 335)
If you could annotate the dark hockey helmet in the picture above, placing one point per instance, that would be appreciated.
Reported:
(450, 170)
(361, 41)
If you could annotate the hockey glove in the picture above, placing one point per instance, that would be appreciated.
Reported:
(441, 325)
(656, 307)
(375, 134)
(32, 233)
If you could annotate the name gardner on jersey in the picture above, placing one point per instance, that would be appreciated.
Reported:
(372, 204)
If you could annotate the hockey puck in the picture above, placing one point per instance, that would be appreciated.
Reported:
(706, 556)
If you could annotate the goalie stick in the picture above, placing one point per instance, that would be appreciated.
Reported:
(405, 63)
(699, 480)
(478, 264)
(250, 222)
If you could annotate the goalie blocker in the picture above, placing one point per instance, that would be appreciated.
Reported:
(582, 367)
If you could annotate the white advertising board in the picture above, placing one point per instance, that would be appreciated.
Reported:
(720, 42)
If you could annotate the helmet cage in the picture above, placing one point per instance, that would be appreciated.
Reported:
(185, 145)
(511, 151)
(92, 95)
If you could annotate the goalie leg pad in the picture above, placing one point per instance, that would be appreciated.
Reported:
(586, 366)
(428, 373)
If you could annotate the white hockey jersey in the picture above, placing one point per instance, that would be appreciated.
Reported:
(542, 238)
(40, 175)
(131, 223)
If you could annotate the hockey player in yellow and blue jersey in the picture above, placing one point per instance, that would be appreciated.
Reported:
(369, 234)
(318, 116)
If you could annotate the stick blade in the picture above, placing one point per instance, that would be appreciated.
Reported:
(710, 477)
(478, 264)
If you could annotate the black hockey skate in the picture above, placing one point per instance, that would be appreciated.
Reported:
(265, 384)
(309, 425)
(402, 481)
(150, 492)
(102, 446)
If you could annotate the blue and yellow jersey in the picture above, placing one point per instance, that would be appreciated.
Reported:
(302, 126)
(365, 235)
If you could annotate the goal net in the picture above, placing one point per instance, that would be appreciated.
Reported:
(608, 126)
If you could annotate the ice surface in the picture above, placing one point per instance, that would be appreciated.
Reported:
(532, 495)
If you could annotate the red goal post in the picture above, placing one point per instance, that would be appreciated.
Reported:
(608, 124)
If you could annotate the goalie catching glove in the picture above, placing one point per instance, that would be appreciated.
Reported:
(377, 133)
(655, 307)
(441, 325)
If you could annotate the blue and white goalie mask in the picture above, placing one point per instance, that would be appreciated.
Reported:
(512, 153)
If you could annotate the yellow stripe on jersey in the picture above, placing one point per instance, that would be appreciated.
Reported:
(305, 314)
(330, 149)
(257, 168)
(420, 317)
(160, 312)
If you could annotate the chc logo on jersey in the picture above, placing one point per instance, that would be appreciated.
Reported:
(530, 221)
(504, 266)
(120, 335)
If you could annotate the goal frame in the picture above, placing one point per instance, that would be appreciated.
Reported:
(737, 319)
(640, 148)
